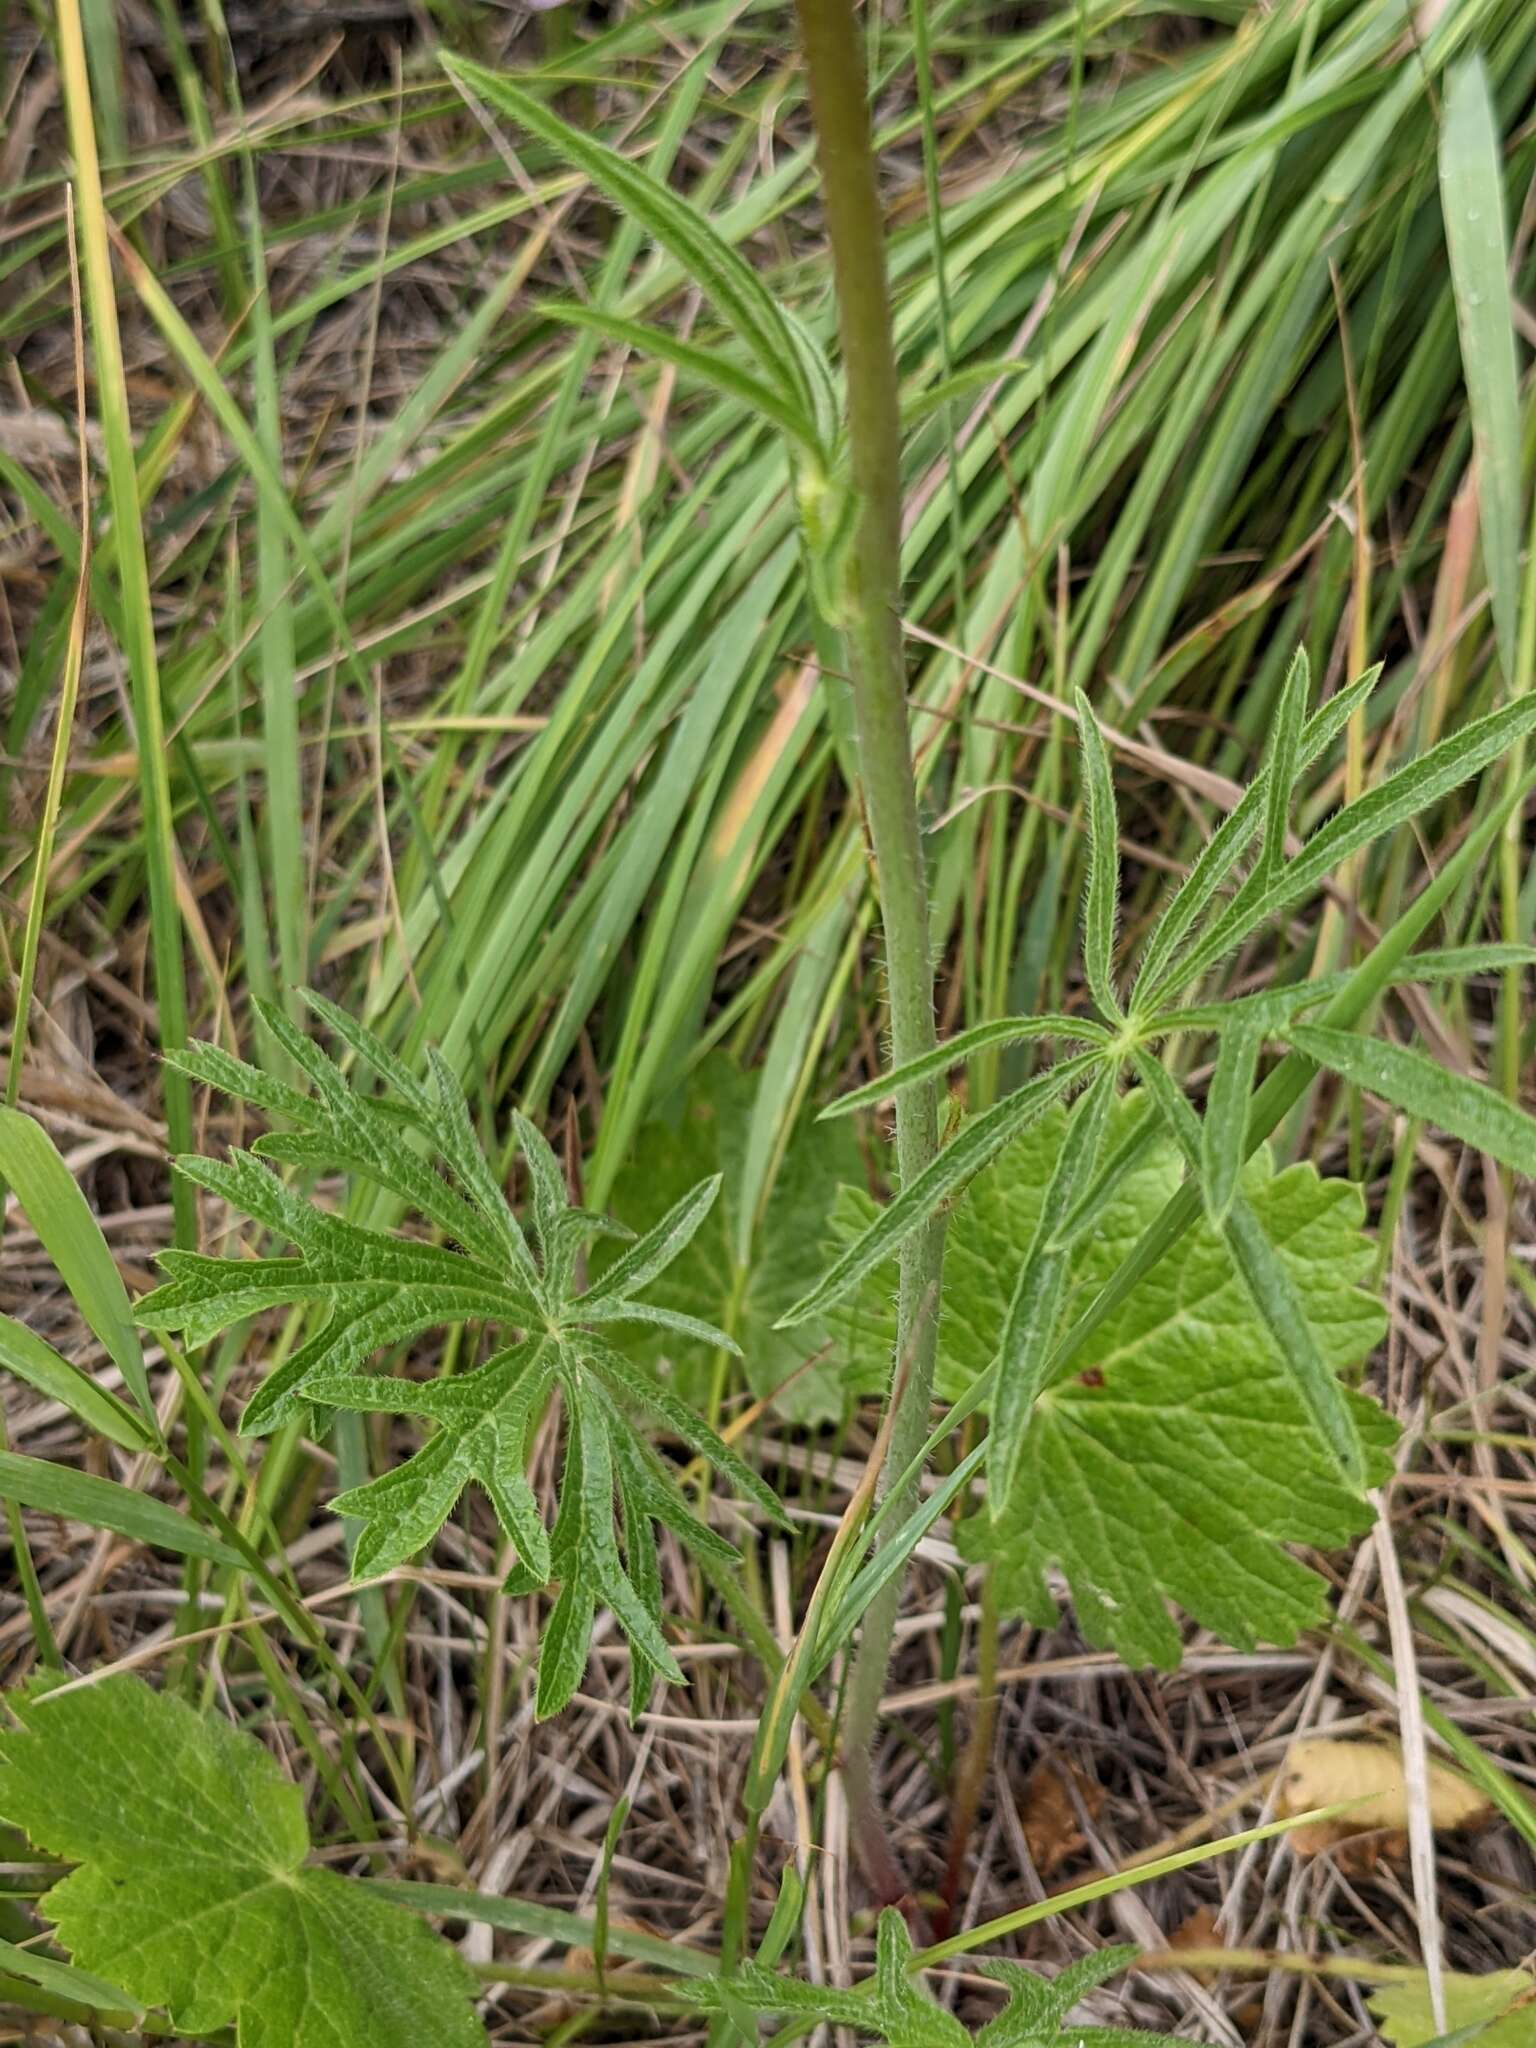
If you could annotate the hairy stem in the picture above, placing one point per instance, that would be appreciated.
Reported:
(829, 35)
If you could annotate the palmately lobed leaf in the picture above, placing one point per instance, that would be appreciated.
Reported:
(483, 1419)
(192, 1891)
(1175, 1461)
(375, 1291)
(894, 2006)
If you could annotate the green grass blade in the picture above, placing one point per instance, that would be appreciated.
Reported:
(133, 570)
(285, 811)
(63, 1980)
(701, 364)
(102, 41)
(26, 1354)
(545, 1923)
(740, 296)
(992, 1931)
(103, 1504)
(71, 1236)
(47, 829)
(1472, 200)
(891, 1558)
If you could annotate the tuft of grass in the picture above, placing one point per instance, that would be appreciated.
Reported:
(424, 627)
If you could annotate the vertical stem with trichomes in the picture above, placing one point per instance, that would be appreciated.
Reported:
(872, 631)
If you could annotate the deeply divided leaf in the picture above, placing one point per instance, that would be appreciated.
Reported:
(894, 2006)
(374, 1291)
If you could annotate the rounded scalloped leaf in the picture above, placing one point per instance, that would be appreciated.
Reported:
(1174, 1460)
(192, 1893)
(1501, 2007)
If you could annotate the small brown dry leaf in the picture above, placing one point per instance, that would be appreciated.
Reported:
(1049, 1812)
(1322, 1771)
(584, 1960)
(1198, 1930)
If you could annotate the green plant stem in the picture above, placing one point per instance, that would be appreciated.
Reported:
(26, 1571)
(971, 1775)
(856, 230)
(736, 1932)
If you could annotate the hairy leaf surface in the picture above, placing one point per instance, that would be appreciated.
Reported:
(380, 1291)
(894, 2006)
(1175, 1461)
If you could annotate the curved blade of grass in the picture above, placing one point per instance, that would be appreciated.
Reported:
(32, 1359)
(878, 1571)
(716, 370)
(1472, 201)
(1497, 1785)
(788, 1070)
(71, 1236)
(63, 1980)
(275, 501)
(544, 1923)
(103, 1504)
(735, 289)
(917, 406)
(991, 1931)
